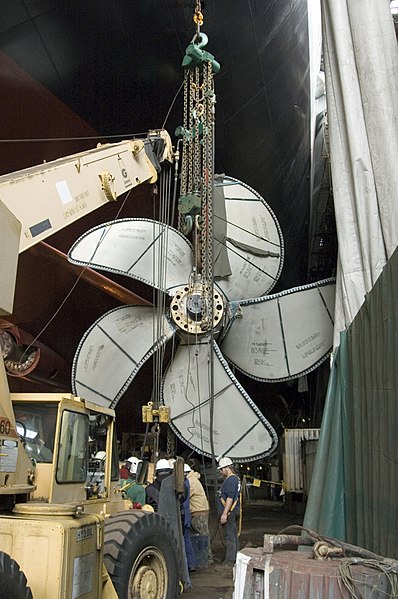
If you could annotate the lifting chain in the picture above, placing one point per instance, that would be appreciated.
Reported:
(197, 176)
(198, 18)
(208, 177)
(185, 139)
(170, 443)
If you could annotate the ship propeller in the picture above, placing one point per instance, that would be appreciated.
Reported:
(231, 323)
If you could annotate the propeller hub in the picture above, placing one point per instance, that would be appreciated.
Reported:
(197, 309)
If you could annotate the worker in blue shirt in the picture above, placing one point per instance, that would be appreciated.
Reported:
(229, 509)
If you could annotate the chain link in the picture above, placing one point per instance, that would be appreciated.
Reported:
(170, 442)
(198, 18)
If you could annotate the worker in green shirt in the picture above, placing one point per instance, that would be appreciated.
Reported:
(130, 488)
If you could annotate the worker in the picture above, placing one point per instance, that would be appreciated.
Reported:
(130, 488)
(229, 509)
(189, 552)
(124, 470)
(100, 457)
(186, 519)
(96, 474)
(199, 508)
(152, 491)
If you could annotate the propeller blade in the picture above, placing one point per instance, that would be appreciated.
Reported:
(238, 428)
(142, 249)
(113, 350)
(253, 239)
(282, 336)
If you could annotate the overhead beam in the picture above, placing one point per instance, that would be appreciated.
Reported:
(123, 295)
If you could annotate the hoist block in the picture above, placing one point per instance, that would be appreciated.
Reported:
(150, 414)
(189, 204)
(181, 132)
(194, 55)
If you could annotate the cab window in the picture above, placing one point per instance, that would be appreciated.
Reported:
(115, 460)
(36, 426)
(73, 454)
(100, 426)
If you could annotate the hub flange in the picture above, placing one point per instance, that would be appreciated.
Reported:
(196, 309)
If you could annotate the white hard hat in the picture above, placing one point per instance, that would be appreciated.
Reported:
(223, 463)
(100, 455)
(172, 461)
(133, 462)
(162, 465)
(187, 468)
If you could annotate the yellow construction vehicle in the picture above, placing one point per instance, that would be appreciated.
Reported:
(62, 515)
(65, 530)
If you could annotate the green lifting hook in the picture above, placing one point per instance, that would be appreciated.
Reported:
(194, 55)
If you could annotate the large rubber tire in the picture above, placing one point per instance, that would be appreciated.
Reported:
(13, 583)
(140, 554)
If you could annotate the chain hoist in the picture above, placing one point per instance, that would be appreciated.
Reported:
(195, 204)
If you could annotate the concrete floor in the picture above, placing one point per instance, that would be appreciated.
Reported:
(259, 517)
